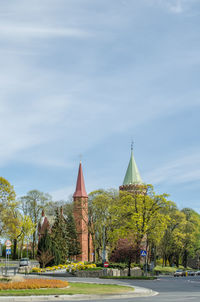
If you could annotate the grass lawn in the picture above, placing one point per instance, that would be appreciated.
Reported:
(74, 288)
(10, 264)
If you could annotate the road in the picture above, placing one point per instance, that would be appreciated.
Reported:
(170, 289)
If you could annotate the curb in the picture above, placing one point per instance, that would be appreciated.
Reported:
(139, 292)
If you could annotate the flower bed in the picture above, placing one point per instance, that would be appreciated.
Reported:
(72, 267)
(33, 284)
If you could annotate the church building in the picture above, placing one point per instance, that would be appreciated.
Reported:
(132, 183)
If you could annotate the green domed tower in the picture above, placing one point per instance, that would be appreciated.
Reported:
(132, 180)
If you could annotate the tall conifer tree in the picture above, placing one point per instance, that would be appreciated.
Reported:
(46, 252)
(60, 236)
(74, 246)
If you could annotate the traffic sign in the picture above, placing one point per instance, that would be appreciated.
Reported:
(106, 264)
(8, 243)
(8, 251)
(143, 253)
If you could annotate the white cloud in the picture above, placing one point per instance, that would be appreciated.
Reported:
(175, 6)
(28, 124)
(16, 31)
(63, 193)
(184, 169)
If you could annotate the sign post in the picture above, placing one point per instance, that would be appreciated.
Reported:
(143, 253)
(8, 252)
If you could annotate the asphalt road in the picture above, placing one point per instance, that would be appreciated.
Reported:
(170, 289)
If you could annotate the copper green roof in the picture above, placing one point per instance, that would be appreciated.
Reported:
(132, 174)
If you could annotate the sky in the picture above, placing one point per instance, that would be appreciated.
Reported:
(83, 78)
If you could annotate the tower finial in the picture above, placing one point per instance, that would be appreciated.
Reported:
(132, 142)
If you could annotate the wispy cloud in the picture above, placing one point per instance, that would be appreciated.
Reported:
(63, 193)
(181, 170)
(17, 31)
(175, 6)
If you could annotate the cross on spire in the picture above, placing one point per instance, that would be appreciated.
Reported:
(132, 143)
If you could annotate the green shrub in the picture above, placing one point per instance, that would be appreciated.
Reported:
(165, 269)
(93, 269)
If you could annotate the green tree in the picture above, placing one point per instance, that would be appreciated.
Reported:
(191, 242)
(141, 215)
(60, 238)
(45, 252)
(73, 243)
(171, 244)
(100, 222)
(32, 205)
(51, 207)
(7, 198)
(10, 215)
(27, 228)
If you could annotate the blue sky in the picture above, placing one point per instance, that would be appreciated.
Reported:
(87, 77)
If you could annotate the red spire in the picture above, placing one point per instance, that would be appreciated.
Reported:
(80, 185)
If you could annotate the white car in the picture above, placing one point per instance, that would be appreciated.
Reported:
(24, 262)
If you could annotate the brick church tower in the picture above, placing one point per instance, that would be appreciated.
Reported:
(81, 216)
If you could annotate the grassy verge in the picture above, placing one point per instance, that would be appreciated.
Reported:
(74, 288)
(2, 264)
(129, 277)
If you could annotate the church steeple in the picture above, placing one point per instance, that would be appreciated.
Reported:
(132, 173)
(132, 181)
(80, 211)
(80, 184)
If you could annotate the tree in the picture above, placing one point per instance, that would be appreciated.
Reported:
(7, 197)
(139, 214)
(11, 218)
(171, 244)
(16, 226)
(51, 207)
(10, 215)
(27, 229)
(99, 222)
(45, 252)
(7, 193)
(32, 205)
(191, 242)
(73, 244)
(60, 237)
(125, 251)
